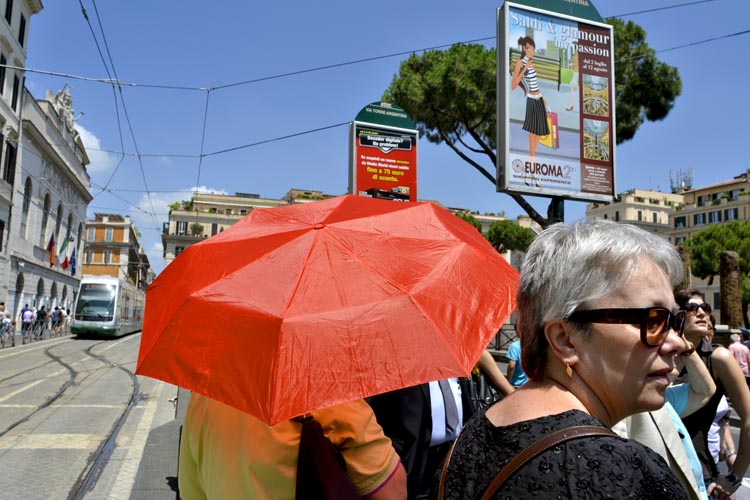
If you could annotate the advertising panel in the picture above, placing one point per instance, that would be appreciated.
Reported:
(556, 119)
(383, 155)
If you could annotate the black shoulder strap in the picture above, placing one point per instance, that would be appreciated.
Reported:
(534, 449)
(538, 447)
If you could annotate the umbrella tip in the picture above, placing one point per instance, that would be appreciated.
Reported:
(319, 225)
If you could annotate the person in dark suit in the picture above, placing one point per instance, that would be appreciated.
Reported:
(406, 416)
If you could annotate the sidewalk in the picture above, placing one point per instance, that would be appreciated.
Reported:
(157, 473)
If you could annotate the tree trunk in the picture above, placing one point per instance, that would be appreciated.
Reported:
(731, 296)
(685, 255)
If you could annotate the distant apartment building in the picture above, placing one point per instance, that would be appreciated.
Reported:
(112, 249)
(715, 204)
(680, 214)
(207, 214)
(709, 205)
(649, 210)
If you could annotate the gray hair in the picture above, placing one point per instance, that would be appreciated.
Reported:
(567, 266)
(735, 337)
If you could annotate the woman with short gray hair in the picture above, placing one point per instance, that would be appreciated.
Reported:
(599, 330)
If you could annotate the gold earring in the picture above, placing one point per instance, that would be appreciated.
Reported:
(569, 370)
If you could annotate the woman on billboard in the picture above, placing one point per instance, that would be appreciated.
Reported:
(524, 75)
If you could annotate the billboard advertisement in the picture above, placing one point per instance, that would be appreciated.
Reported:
(383, 145)
(556, 116)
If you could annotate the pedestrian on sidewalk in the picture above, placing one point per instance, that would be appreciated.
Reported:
(599, 335)
(741, 353)
(226, 454)
(516, 375)
(729, 380)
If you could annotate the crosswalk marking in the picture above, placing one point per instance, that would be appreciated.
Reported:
(52, 442)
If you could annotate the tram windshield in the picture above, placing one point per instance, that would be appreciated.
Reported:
(96, 302)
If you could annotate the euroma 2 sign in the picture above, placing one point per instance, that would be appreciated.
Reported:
(555, 100)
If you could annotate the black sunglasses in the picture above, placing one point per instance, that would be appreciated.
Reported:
(692, 307)
(655, 322)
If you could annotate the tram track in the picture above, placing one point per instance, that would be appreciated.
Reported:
(100, 457)
(61, 360)
(72, 373)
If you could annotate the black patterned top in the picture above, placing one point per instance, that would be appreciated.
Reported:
(582, 468)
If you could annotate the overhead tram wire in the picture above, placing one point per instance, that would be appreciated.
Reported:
(208, 89)
(127, 115)
(203, 142)
(114, 95)
(663, 8)
(245, 146)
(120, 83)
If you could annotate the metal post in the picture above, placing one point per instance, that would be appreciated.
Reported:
(556, 210)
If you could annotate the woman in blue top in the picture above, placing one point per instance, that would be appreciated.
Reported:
(525, 75)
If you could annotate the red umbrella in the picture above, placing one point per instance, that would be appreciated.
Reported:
(302, 307)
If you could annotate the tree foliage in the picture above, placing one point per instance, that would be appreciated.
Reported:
(506, 235)
(451, 96)
(186, 205)
(467, 217)
(706, 245)
(645, 87)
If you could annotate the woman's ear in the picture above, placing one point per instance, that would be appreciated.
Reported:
(562, 340)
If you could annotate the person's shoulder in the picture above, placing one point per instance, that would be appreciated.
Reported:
(722, 355)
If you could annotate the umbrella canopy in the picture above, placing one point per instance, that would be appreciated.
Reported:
(302, 307)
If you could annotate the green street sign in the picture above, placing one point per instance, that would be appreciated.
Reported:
(576, 8)
(384, 113)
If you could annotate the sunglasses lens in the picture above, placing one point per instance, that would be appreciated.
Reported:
(656, 325)
(693, 307)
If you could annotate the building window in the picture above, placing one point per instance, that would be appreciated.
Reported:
(90, 234)
(214, 229)
(717, 300)
(679, 222)
(45, 220)
(9, 11)
(69, 229)
(731, 214)
(212, 210)
(58, 221)
(2, 234)
(89, 256)
(714, 217)
(243, 211)
(107, 259)
(640, 215)
(108, 234)
(178, 250)
(617, 215)
(14, 97)
(3, 62)
(700, 201)
(655, 218)
(25, 206)
(9, 167)
(182, 227)
(680, 239)
(699, 219)
(22, 30)
(228, 211)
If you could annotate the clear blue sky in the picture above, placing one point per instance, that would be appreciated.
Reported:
(210, 44)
